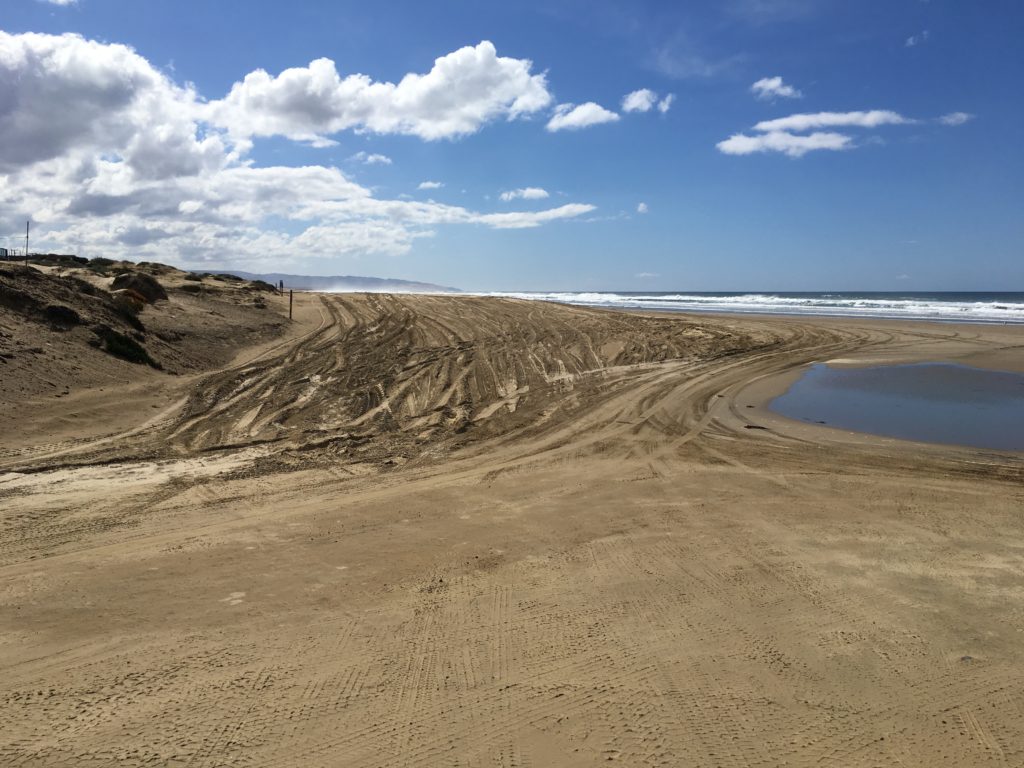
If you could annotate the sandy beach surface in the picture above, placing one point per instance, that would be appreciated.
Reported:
(440, 530)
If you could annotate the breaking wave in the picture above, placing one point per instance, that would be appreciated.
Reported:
(962, 307)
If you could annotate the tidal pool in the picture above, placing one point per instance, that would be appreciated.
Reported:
(928, 402)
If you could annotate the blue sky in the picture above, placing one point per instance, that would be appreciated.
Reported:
(880, 149)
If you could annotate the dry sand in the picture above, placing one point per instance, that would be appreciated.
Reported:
(455, 531)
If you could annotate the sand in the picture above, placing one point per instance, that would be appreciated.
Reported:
(449, 531)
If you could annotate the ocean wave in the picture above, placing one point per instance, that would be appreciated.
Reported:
(931, 307)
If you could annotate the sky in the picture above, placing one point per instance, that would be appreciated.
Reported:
(737, 145)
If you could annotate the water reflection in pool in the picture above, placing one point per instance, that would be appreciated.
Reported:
(929, 402)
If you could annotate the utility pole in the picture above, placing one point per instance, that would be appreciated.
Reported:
(26, 243)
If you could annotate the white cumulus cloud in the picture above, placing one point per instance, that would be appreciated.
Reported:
(768, 88)
(806, 122)
(642, 208)
(371, 159)
(463, 91)
(642, 100)
(526, 193)
(430, 185)
(956, 118)
(527, 219)
(781, 141)
(62, 94)
(576, 116)
(796, 135)
(111, 157)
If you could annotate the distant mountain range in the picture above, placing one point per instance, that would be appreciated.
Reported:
(346, 283)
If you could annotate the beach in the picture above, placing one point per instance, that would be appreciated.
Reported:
(443, 530)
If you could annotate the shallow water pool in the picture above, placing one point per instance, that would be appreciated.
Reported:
(928, 402)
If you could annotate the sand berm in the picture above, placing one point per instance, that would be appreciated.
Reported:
(441, 530)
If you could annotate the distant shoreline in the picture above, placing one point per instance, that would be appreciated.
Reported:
(986, 308)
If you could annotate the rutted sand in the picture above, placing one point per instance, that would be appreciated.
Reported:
(614, 570)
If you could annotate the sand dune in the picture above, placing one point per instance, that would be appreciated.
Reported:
(421, 530)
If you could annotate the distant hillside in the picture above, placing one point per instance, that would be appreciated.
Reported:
(346, 283)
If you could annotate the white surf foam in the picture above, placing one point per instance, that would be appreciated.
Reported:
(837, 305)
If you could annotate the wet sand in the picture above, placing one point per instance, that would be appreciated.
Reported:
(463, 531)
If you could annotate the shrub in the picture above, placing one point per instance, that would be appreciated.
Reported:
(17, 299)
(61, 316)
(56, 259)
(146, 286)
(133, 321)
(124, 347)
(82, 286)
(129, 301)
(130, 318)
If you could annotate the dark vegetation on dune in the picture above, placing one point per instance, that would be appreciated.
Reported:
(146, 286)
(122, 346)
(60, 302)
(64, 302)
(61, 316)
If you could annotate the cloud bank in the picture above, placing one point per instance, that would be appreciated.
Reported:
(109, 156)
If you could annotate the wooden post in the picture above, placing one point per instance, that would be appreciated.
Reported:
(291, 298)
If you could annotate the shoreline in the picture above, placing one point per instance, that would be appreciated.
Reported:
(830, 308)
(810, 316)
(753, 314)
(1000, 351)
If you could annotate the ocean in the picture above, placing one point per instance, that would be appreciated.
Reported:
(1001, 308)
